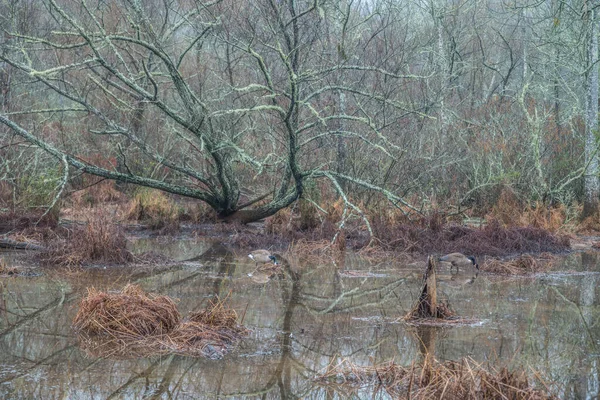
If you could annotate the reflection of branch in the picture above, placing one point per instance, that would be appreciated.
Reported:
(37, 313)
(585, 324)
(141, 375)
(42, 362)
(356, 293)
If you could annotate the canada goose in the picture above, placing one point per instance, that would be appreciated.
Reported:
(459, 259)
(263, 257)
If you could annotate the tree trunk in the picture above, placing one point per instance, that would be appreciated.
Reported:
(428, 301)
(591, 184)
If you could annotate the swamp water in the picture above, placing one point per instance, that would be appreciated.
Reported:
(313, 316)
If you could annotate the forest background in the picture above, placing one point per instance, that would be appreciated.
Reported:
(359, 109)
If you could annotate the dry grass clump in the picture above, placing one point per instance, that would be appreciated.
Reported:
(522, 265)
(314, 250)
(130, 313)
(99, 241)
(304, 221)
(215, 325)
(132, 322)
(216, 314)
(432, 379)
(154, 208)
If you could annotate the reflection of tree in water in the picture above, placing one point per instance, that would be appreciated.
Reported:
(221, 261)
(303, 320)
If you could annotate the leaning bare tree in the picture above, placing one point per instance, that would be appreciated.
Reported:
(236, 104)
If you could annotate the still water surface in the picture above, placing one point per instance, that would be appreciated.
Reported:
(314, 316)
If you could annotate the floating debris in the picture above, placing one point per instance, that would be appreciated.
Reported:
(360, 274)
(525, 264)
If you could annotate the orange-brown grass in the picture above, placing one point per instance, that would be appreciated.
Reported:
(216, 314)
(305, 221)
(130, 313)
(590, 224)
(196, 211)
(154, 208)
(97, 191)
(132, 322)
(512, 212)
(432, 379)
(99, 241)
(506, 209)
(551, 218)
(427, 236)
(522, 265)
(313, 250)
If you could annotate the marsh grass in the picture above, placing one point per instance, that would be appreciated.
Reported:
(431, 379)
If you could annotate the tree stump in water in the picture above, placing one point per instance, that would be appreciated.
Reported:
(427, 307)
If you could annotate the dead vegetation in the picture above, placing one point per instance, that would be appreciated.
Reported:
(128, 314)
(523, 265)
(98, 241)
(512, 211)
(432, 236)
(433, 233)
(153, 208)
(95, 191)
(432, 379)
(134, 323)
